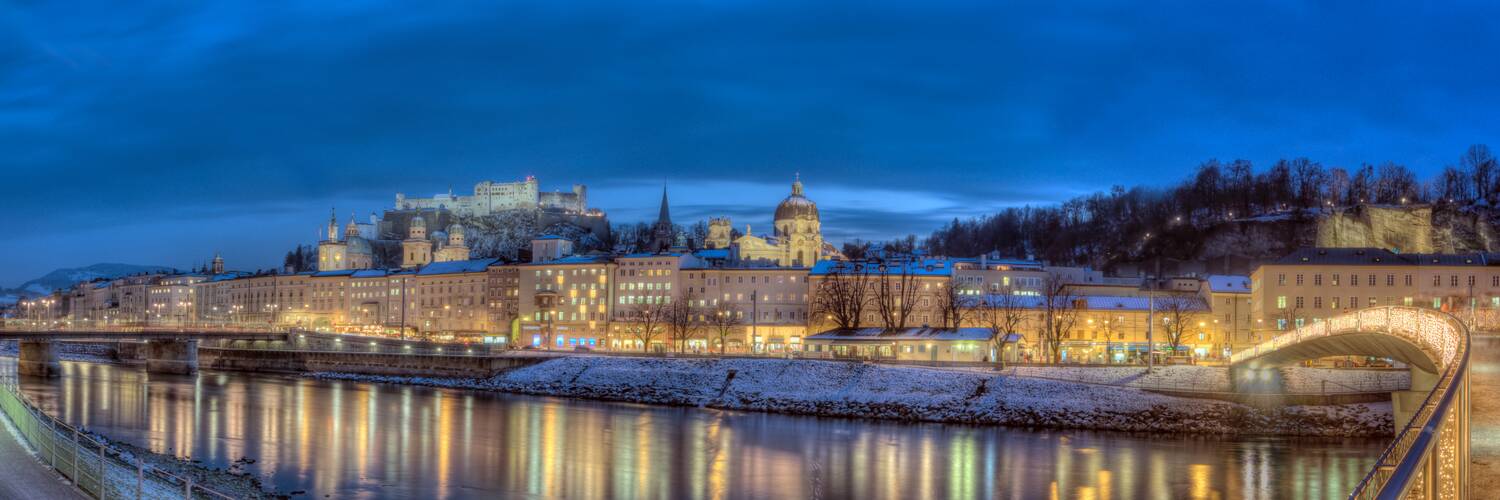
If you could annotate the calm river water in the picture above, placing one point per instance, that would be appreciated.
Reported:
(364, 440)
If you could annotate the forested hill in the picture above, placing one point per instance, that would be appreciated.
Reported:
(1232, 215)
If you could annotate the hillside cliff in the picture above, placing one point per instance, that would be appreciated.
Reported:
(1238, 246)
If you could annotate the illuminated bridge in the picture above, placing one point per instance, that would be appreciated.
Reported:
(166, 350)
(1429, 457)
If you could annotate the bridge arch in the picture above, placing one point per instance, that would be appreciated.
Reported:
(1424, 339)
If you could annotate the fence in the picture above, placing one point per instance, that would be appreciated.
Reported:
(96, 468)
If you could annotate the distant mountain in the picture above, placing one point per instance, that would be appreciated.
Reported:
(63, 278)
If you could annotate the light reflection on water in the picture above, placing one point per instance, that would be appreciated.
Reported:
(360, 440)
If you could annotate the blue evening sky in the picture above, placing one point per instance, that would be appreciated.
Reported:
(158, 132)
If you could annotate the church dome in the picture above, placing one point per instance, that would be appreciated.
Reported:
(358, 245)
(797, 205)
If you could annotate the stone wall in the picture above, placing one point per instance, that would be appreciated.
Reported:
(415, 365)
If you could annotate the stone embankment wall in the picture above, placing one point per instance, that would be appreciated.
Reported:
(415, 365)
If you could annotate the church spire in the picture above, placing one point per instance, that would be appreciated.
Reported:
(665, 217)
(663, 235)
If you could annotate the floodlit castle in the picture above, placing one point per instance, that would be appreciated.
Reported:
(491, 197)
(796, 242)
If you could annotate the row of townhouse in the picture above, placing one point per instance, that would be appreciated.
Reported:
(559, 300)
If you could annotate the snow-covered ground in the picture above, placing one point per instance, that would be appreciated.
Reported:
(839, 389)
(1298, 380)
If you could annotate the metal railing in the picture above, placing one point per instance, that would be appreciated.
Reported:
(91, 464)
(1430, 456)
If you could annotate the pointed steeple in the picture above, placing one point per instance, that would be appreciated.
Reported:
(665, 217)
(662, 234)
(333, 225)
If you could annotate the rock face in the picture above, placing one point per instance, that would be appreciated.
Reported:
(1402, 229)
(1239, 246)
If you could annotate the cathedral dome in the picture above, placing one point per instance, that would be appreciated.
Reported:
(797, 205)
(358, 245)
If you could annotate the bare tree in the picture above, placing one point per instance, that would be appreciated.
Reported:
(1059, 309)
(682, 320)
(896, 292)
(956, 303)
(1481, 167)
(842, 294)
(1179, 312)
(1002, 314)
(646, 320)
(722, 322)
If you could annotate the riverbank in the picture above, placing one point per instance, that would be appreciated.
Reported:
(858, 390)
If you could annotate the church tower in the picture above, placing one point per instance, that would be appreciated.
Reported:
(332, 253)
(798, 229)
(662, 234)
(719, 233)
(218, 265)
(454, 250)
(416, 251)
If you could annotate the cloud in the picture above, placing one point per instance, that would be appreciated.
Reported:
(172, 115)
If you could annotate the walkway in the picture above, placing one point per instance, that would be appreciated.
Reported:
(23, 477)
(1484, 419)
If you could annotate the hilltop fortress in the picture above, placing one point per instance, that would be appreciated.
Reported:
(490, 197)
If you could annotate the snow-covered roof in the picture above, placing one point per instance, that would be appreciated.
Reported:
(370, 273)
(1096, 302)
(456, 267)
(332, 274)
(716, 253)
(574, 259)
(1227, 283)
(919, 267)
(884, 335)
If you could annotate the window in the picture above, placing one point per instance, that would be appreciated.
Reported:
(1453, 280)
(1281, 279)
(1408, 280)
(1437, 280)
(1299, 280)
(1281, 302)
(1317, 302)
(1280, 323)
(1437, 303)
(1471, 280)
(1354, 280)
(1299, 302)
(1406, 301)
(1333, 302)
(1335, 279)
(1390, 280)
(1317, 280)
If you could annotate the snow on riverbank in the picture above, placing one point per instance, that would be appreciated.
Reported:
(1298, 380)
(838, 389)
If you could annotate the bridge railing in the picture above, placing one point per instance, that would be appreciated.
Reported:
(91, 464)
(1427, 328)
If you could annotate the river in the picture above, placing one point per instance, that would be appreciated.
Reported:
(364, 440)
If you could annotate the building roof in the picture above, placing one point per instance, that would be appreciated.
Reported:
(1227, 283)
(1096, 302)
(456, 267)
(714, 253)
(884, 335)
(918, 267)
(1381, 256)
(333, 274)
(370, 273)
